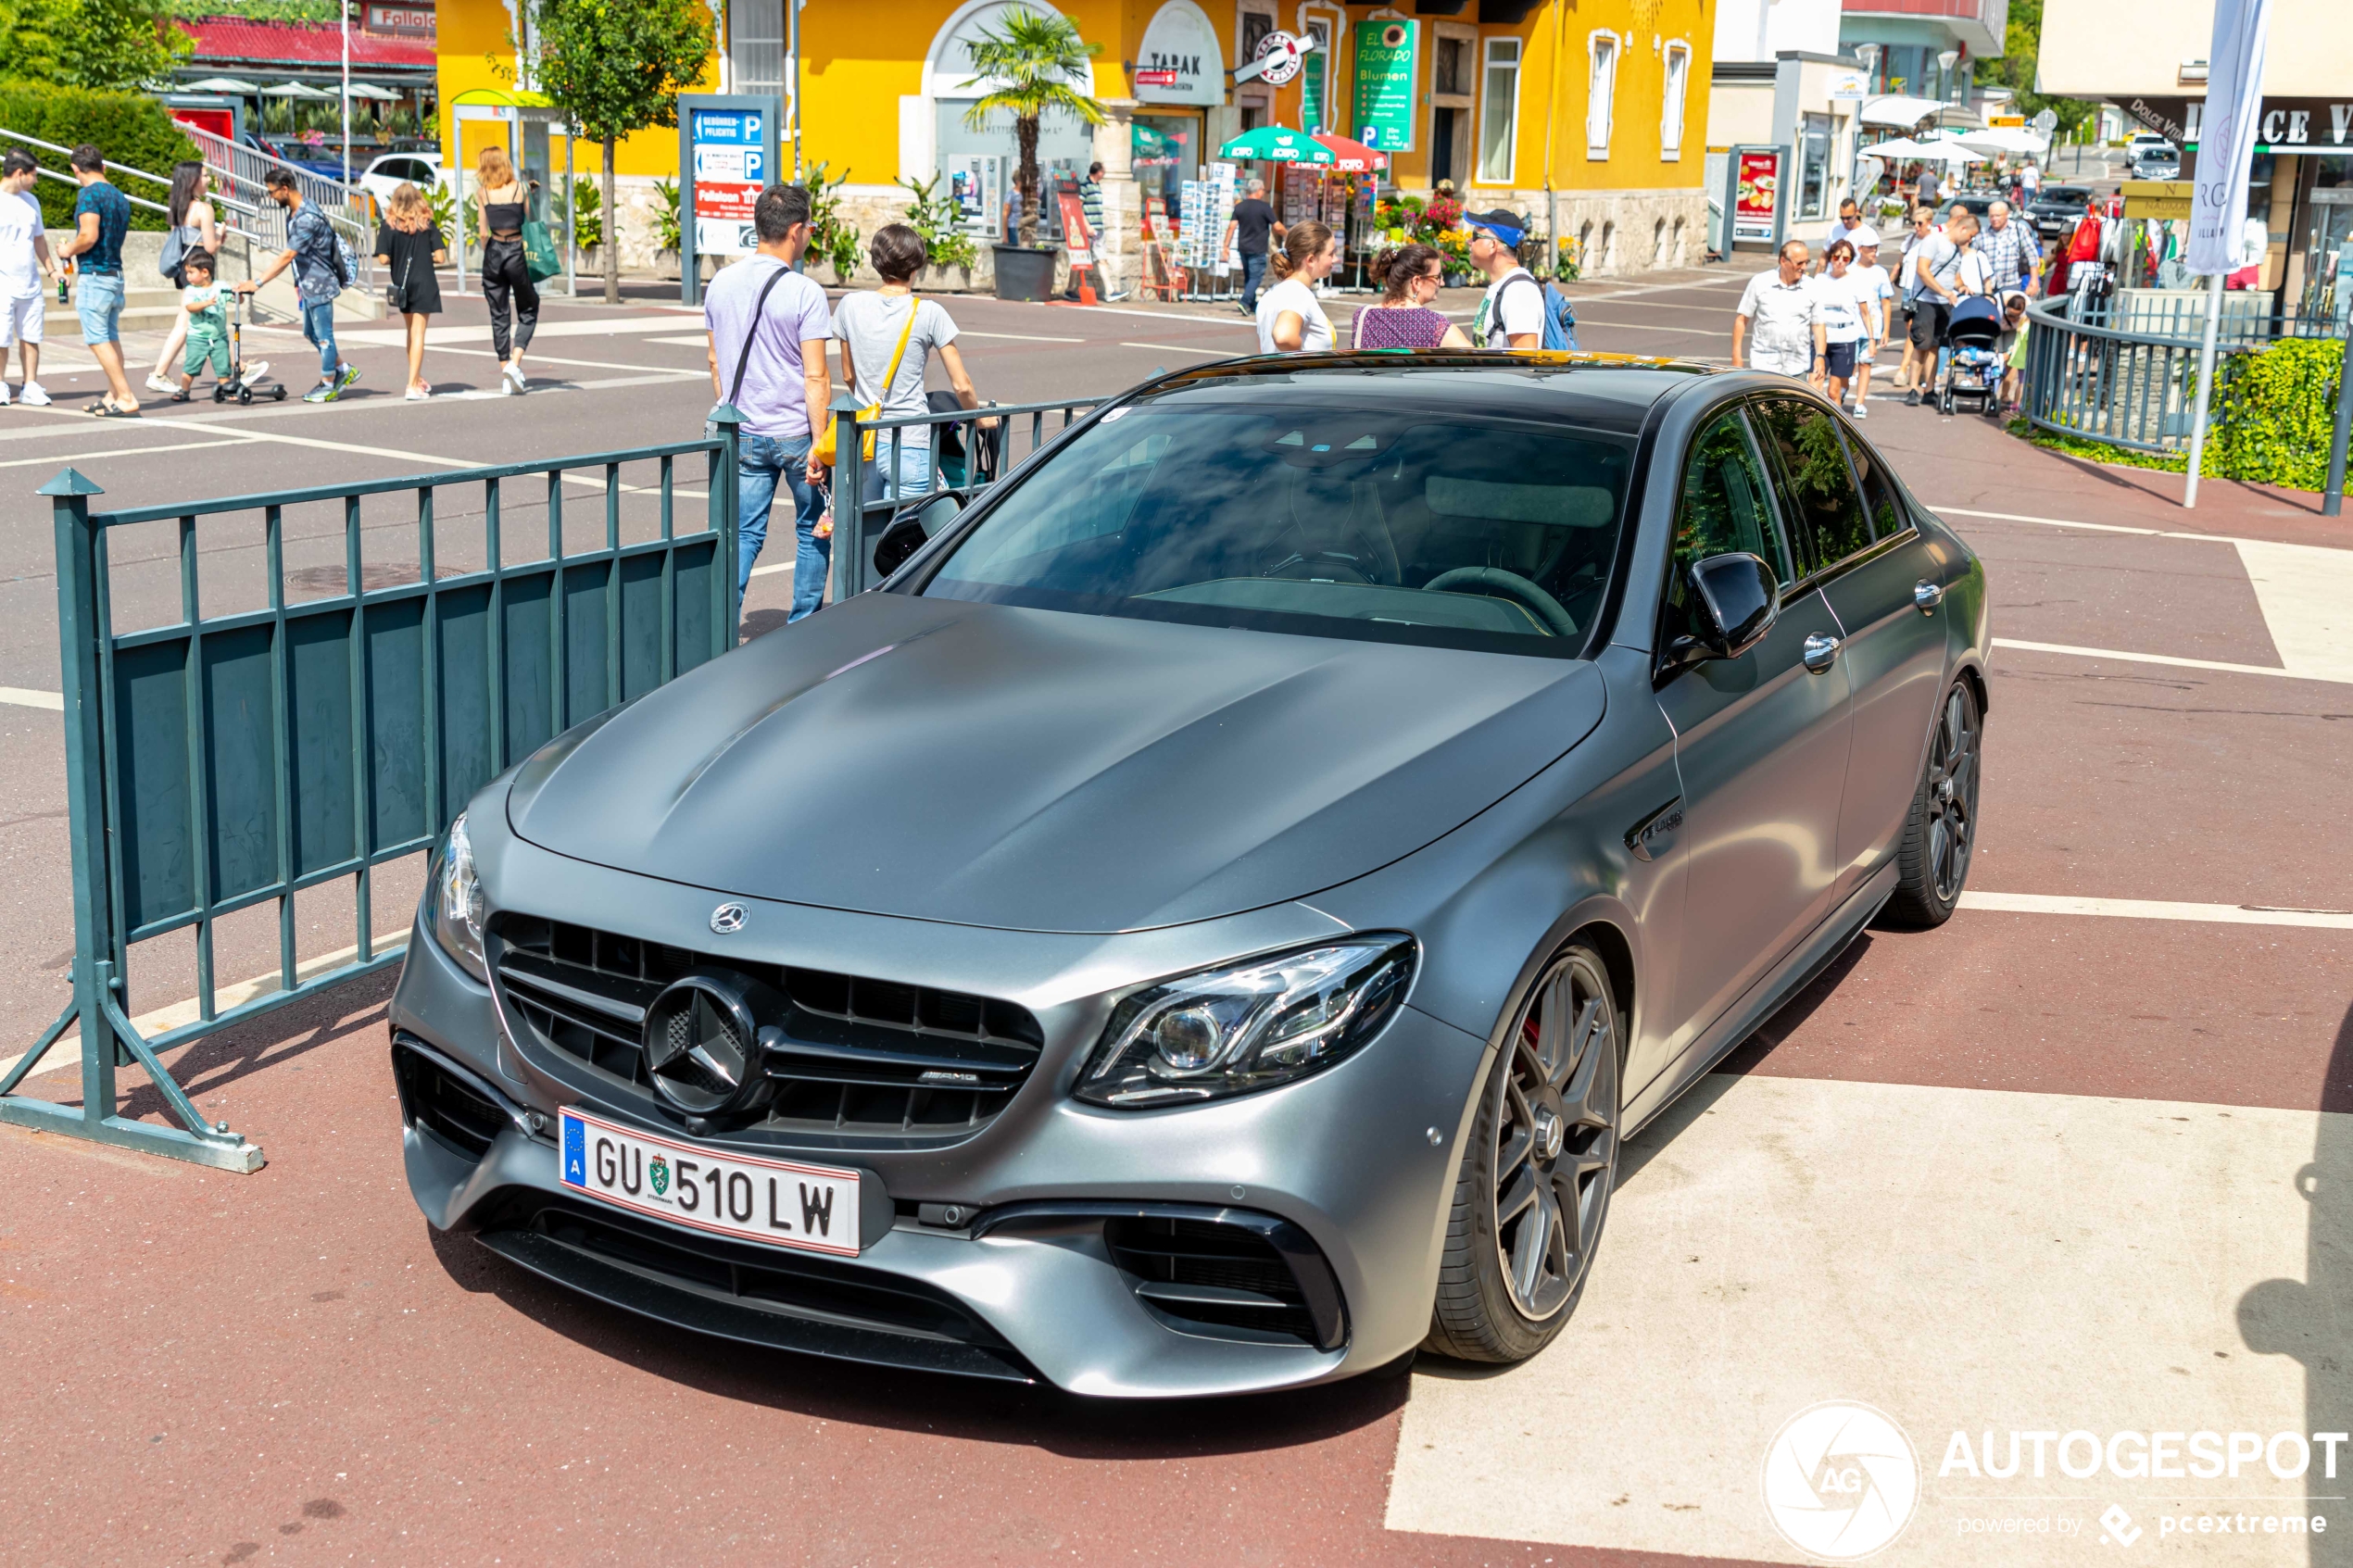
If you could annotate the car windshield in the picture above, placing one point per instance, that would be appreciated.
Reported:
(2072, 195)
(1377, 525)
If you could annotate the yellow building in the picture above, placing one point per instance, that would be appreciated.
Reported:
(1491, 95)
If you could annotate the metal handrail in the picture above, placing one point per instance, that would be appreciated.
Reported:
(2113, 385)
(243, 174)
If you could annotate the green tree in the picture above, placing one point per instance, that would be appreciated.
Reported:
(2021, 46)
(110, 44)
(1038, 63)
(616, 67)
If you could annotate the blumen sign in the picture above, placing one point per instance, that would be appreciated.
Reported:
(1384, 96)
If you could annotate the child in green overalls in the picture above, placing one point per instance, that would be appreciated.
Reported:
(207, 324)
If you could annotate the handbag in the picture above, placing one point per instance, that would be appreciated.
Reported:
(826, 450)
(539, 257)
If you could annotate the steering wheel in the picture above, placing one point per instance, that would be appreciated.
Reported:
(1496, 583)
(1322, 563)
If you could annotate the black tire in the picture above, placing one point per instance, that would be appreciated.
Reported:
(1940, 833)
(1542, 1151)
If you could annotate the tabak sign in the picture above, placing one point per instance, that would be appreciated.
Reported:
(731, 165)
(1756, 191)
(1179, 60)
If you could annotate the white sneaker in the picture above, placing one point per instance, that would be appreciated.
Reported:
(513, 379)
(255, 371)
(1861, 412)
(419, 394)
(34, 395)
(158, 382)
(3, 394)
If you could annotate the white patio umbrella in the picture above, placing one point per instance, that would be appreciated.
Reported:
(224, 84)
(295, 90)
(2002, 139)
(1897, 109)
(1901, 149)
(370, 90)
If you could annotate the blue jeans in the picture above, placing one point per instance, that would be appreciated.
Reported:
(1254, 272)
(762, 462)
(915, 470)
(319, 326)
(97, 300)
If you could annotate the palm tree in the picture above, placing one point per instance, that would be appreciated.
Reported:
(1040, 65)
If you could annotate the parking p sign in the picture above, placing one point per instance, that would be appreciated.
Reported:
(730, 166)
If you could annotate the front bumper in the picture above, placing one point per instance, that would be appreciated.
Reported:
(1004, 1255)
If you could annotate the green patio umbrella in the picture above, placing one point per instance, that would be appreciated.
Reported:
(1272, 144)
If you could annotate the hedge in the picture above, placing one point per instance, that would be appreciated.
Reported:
(128, 126)
(2278, 414)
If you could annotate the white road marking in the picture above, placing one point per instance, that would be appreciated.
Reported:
(1241, 323)
(2157, 909)
(114, 452)
(2117, 527)
(1019, 337)
(1960, 1259)
(66, 1053)
(2304, 591)
(2175, 661)
(616, 326)
(26, 696)
(1182, 348)
(771, 571)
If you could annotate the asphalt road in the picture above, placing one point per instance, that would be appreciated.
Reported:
(2079, 1160)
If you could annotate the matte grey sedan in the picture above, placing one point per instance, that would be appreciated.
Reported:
(1209, 921)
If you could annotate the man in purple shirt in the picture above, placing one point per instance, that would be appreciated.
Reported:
(769, 327)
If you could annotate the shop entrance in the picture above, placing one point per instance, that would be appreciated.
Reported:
(1165, 150)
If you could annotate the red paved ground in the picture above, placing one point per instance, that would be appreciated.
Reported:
(290, 1366)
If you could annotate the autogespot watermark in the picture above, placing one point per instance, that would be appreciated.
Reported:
(1841, 1481)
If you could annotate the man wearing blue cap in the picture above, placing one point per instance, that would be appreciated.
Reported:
(1512, 316)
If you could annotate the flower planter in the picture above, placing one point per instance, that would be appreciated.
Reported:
(1025, 271)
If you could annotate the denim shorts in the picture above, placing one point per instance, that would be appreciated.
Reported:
(97, 300)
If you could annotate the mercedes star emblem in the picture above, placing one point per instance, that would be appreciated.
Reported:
(727, 919)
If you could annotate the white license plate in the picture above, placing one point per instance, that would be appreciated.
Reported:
(781, 1202)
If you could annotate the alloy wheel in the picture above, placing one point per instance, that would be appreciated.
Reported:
(1557, 1138)
(1952, 794)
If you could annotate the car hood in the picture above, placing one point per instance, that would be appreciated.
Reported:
(1045, 771)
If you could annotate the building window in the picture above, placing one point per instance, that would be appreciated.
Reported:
(1498, 111)
(1601, 93)
(1671, 116)
(1813, 164)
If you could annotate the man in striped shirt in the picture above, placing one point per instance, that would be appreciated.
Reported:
(2010, 249)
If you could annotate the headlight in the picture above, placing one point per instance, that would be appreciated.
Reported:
(456, 900)
(1251, 1026)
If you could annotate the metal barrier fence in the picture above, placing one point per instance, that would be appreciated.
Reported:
(868, 492)
(2114, 383)
(241, 175)
(220, 761)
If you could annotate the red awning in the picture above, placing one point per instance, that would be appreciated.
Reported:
(303, 46)
(1351, 158)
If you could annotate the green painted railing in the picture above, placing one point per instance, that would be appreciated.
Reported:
(221, 762)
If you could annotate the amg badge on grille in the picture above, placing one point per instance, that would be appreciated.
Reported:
(727, 919)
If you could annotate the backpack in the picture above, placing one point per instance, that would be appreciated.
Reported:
(346, 265)
(1560, 318)
(176, 248)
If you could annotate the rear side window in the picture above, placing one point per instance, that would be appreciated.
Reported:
(1817, 488)
(1888, 517)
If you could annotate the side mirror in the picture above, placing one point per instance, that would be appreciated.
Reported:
(1738, 599)
(913, 529)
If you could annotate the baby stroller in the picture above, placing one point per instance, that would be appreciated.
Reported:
(1973, 363)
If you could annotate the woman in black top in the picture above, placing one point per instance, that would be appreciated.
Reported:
(410, 245)
(504, 275)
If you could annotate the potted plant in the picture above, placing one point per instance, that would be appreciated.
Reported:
(948, 252)
(1034, 64)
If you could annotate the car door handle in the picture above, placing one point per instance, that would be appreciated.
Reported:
(1927, 596)
(1821, 652)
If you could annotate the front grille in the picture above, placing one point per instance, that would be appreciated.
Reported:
(849, 1055)
(1220, 1276)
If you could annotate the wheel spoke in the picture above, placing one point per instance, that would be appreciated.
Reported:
(1553, 1032)
(1523, 1191)
(1534, 1246)
(1514, 1152)
(1578, 1056)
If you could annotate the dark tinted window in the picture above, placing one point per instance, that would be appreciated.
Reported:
(1817, 492)
(1379, 524)
(1879, 496)
(1725, 505)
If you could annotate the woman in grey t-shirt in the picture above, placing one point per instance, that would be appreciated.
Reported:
(868, 327)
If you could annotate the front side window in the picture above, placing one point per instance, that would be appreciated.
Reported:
(1498, 111)
(1879, 499)
(1375, 525)
(1601, 93)
(1725, 506)
(1817, 488)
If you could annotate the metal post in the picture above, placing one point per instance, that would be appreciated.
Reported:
(2205, 388)
(2333, 499)
(344, 11)
(850, 501)
(792, 80)
(727, 422)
